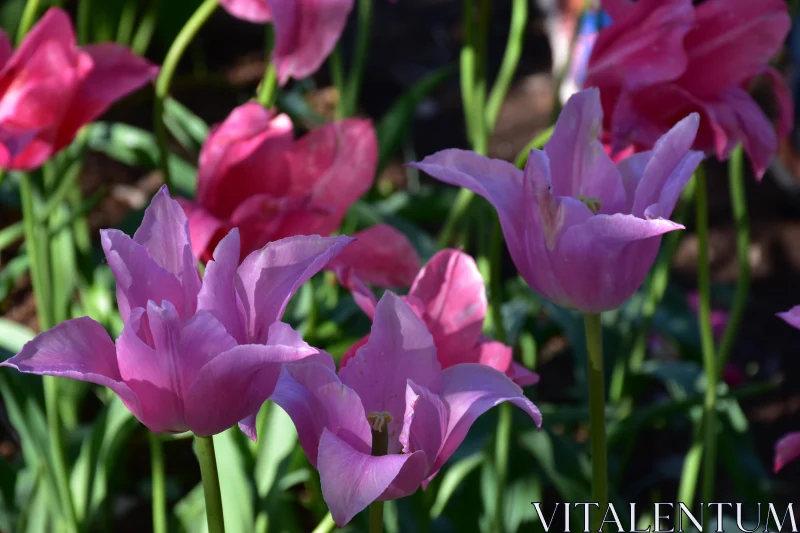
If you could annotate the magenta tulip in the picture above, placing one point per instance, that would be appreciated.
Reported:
(253, 175)
(306, 31)
(387, 423)
(187, 343)
(788, 448)
(582, 230)
(449, 295)
(50, 88)
(663, 59)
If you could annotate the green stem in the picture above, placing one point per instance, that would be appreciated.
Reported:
(127, 21)
(364, 37)
(536, 143)
(269, 84)
(27, 20)
(39, 260)
(84, 19)
(337, 76)
(208, 470)
(597, 414)
(380, 447)
(176, 51)
(11, 234)
(159, 490)
(516, 40)
(326, 525)
(468, 69)
(742, 223)
(140, 41)
(501, 446)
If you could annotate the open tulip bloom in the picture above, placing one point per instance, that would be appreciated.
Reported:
(788, 448)
(582, 230)
(187, 343)
(449, 295)
(387, 423)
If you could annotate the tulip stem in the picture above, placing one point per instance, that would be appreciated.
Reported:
(501, 447)
(38, 243)
(326, 525)
(269, 84)
(174, 55)
(742, 223)
(597, 414)
(536, 143)
(208, 470)
(514, 45)
(364, 37)
(159, 493)
(27, 20)
(380, 447)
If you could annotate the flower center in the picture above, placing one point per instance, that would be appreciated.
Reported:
(380, 434)
(379, 421)
(591, 202)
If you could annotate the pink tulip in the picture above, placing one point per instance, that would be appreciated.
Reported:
(663, 59)
(187, 343)
(788, 448)
(449, 295)
(582, 230)
(50, 88)
(306, 31)
(253, 175)
(394, 392)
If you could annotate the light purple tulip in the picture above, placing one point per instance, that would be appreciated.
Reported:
(193, 356)
(393, 388)
(582, 230)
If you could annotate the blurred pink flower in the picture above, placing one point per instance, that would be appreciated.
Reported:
(187, 344)
(50, 88)
(306, 31)
(788, 448)
(253, 175)
(394, 391)
(449, 295)
(582, 230)
(663, 59)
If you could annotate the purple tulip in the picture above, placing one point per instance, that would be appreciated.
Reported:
(581, 229)
(391, 418)
(187, 344)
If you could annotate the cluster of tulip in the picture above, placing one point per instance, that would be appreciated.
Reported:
(203, 348)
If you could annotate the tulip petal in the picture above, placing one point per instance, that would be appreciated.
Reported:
(579, 164)
(362, 295)
(203, 338)
(148, 357)
(500, 357)
(139, 277)
(792, 316)
(381, 255)
(54, 26)
(351, 479)
(306, 32)
(732, 41)
(6, 49)
(251, 371)
(399, 348)
(204, 229)
(784, 100)
(269, 277)
(250, 10)
(671, 164)
(786, 450)
(425, 423)
(77, 349)
(165, 233)
(521, 375)
(470, 390)
(315, 399)
(218, 295)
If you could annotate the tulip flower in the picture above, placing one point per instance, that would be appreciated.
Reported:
(186, 343)
(50, 88)
(582, 230)
(253, 175)
(788, 448)
(306, 31)
(663, 59)
(387, 423)
(449, 295)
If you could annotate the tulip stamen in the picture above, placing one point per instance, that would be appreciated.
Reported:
(379, 421)
(591, 202)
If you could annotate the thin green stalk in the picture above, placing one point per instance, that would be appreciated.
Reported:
(176, 51)
(364, 36)
(536, 143)
(380, 447)
(38, 256)
(269, 84)
(742, 224)
(326, 525)
(11, 234)
(337, 76)
(208, 470)
(140, 41)
(84, 20)
(127, 21)
(468, 68)
(597, 414)
(159, 489)
(28, 18)
(516, 40)
(501, 447)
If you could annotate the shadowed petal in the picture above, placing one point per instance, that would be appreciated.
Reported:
(792, 316)
(77, 349)
(399, 348)
(203, 228)
(362, 295)
(786, 450)
(351, 480)
(470, 390)
(250, 10)
(425, 423)
(218, 295)
(500, 357)
(269, 277)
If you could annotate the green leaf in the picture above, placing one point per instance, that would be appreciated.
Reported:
(453, 479)
(187, 128)
(13, 335)
(234, 481)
